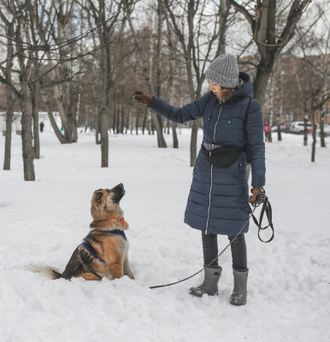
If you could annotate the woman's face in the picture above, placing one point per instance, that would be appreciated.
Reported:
(215, 88)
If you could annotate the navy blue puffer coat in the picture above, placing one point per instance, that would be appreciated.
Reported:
(217, 201)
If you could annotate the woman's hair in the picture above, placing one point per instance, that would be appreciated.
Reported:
(225, 93)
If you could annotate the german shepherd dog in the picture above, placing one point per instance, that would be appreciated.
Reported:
(103, 252)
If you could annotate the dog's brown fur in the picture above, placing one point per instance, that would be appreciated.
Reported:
(110, 248)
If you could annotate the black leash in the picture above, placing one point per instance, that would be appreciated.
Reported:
(266, 207)
(182, 280)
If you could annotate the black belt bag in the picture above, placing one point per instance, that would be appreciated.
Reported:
(222, 156)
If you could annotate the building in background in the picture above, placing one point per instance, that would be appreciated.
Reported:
(17, 127)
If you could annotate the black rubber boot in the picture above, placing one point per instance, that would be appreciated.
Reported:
(210, 283)
(239, 295)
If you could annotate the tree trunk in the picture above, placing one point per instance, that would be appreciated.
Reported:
(28, 154)
(322, 138)
(271, 100)
(104, 137)
(104, 109)
(128, 124)
(314, 137)
(144, 124)
(280, 111)
(58, 98)
(306, 105)
(264, 70)
(175, 135)
(96, 125)
(158, 118)
(103, 115)
(9, 97)
(36, 137)
(58, 133)
(193, 142)
(136, 124)
(9, 122)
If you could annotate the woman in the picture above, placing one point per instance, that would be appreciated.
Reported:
(217, 203)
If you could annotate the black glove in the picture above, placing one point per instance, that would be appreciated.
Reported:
(258, 196)
(141, 97)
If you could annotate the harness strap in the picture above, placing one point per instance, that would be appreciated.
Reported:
(89, 251)
(89, 269)
(117, 232)
(113, 232)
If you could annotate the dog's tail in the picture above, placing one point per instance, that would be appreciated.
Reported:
(46, 271)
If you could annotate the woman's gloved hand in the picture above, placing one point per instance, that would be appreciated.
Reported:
(254, 197)
(141, 97)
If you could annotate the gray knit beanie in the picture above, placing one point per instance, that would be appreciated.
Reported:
(223, 71)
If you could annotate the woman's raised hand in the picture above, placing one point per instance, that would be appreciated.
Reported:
(141, 97)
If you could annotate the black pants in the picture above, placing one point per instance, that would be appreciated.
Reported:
(238, 250)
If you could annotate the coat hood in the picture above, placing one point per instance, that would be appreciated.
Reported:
(244, 90)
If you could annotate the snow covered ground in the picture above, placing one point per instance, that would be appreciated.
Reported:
(42, 222)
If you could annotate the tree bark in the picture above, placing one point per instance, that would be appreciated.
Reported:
(36, 137)
(28, 153)
(9, 97)
(158, 118)
(314, 137)
(306, 105)
(9, 122)
(57, 131)
(62, 138)
(322, 137)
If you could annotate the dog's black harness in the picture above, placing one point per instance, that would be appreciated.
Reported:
(111, 232)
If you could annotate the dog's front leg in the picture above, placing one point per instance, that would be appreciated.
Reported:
(116, 269)
(127, 269)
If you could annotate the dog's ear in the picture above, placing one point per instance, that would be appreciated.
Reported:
(98, 197)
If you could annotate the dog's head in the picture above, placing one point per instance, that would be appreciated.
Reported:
(105, 203)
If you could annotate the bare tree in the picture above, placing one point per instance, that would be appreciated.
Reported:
(107, 15)
(270, 35)
(146, 63)
(171, 80)
(202, 38)
(9, 25)
(51, 23)
(24, 54)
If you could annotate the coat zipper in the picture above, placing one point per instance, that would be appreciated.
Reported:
(209, 208)
(210, 193)
(216, 124)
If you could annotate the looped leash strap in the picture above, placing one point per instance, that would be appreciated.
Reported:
(266, 208)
